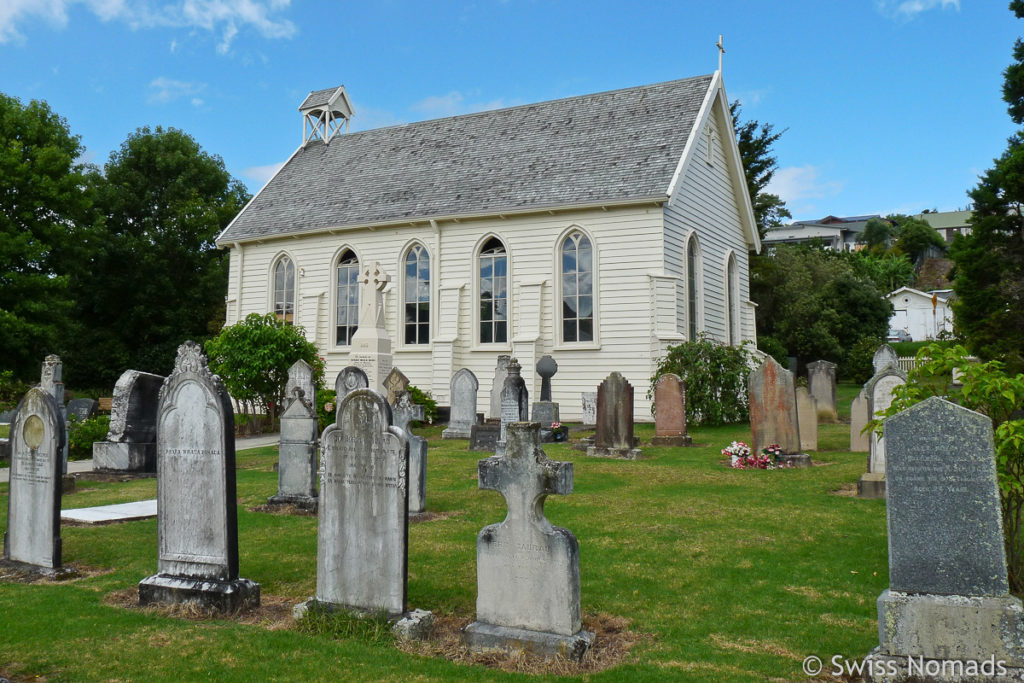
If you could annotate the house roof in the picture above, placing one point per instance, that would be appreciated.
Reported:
(942, 294)
(608, 147)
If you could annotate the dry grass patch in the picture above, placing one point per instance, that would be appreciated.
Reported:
(273, 614)
(750, 646)
(281, 510)
(846, 490)
(68, 573)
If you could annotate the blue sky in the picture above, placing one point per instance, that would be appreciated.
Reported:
(890, 105)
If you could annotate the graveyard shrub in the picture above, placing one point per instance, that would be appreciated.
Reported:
(325, 398)
(858, 367)
(11, 390)
(82, 435)
(774, 348)
(716, 380)
(424, 399)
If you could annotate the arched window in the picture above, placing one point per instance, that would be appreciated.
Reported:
(347, 319)
(417, 296)
(493, 271)
(732, 283)
(284, 290)
(577, 288)
(693, 287)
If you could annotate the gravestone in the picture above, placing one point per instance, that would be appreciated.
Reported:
(347, 381)
(300, 376)
(131, 439)
(37, 436)
(197, 527)
(484, 437)
(545, 411)
(362, 537)
(50, 382)
(858, 420)
(821, 382)
(371, 345)
(807, 419)
(948, 595)
(500, 373)
(879, 393)
(884, 356)
(670, 412)
(528, 572)
(297, 466)
(773, 417)
(515, 402)
(614, 435)
(464, 387)
(82, 408)
(403, 412)
(589, 401)
(394, 384)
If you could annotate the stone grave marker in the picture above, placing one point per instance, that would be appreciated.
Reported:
(131, 439)
(394, 384)
(821, 382)
(300, 376)
(670, 412)
(37, 436)
(879, 393)
(859, 420)
(371, 345)
(515, 402)
(362, 537)
(463, 387)
(948, 595)
(589, 401)
(528, 573)
(82, 408)
(348, 380)
(613, 437)
(484, 437)
(197, 527)
(297, 463)
(545, 411)
(884, 356)
(500, 373)
(50, 381)
(807, 419)
(773, 418)
(403, 412)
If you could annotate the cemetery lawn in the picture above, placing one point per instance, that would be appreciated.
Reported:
(726, 575)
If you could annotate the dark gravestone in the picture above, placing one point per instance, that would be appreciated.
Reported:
(670, 412)
(948, 595)
(545, 411)
(403, 412)
(131, 439)
(82, 408)
(297, 466)
(515, 402)
(37, 438)
(197, 528)
(300, 376)
(528, 571)
(821, 382)
(464, 387)
(484, 437)
(773, 418)
(347, 381)
(614, 435)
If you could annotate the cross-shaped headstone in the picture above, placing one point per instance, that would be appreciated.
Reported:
(395, 383)
(405, 411)
(373, 280)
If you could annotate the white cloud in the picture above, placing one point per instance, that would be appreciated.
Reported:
(453, 104)
(224, 17)
(908, 9)
(262, 174)
(164, 90)
(797, 183)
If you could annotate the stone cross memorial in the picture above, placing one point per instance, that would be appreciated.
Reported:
(297, 466)
(821, 382)
(348, 380)
(500, 373)
(362, 536)
(403, 412)
(197, 527)
(545, 411)
(131, 439)
(773, 418)
(300, 376)
(371, 345)
(464, 387)
(948, 595)
(515, 402)
(807, 418)
(528, 571)
(614, 435)
(394, 384)
(32, 540)
(670, 412)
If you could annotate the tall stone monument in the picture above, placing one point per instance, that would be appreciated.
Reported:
(50, 382)
(515, 402)
(403, 412)
(773, 417)
(197, 526)
(821, 382)
(528, 572)
(670, 412)
(394, 384)
(464, 387)
(948, 596)
(297, 465)
(371, 346)
(807, 419)
(362, 537)
(545, 411)
(500, 373)
(131, 439)
(347, 381)
(300, 376)
(614, 435)
(32, 540)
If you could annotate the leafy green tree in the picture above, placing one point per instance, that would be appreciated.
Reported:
(159, 278)
(877, 234)
(888, 271)
(914, 236)
(46, 216)
(755, 143)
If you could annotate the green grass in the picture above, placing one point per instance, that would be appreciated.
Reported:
(5, 430)
(732, 575)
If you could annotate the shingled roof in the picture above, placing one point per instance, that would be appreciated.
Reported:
(607, 147)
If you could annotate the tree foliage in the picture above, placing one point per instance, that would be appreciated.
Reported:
(876, 235)
(755, 141)
(716, 380)
(914, 236)
(888, 271)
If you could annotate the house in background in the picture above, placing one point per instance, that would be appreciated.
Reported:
(949, 224)
(924, 315)
(600, 229)
(836, 233)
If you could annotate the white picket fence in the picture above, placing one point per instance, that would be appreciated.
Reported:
(906, 363)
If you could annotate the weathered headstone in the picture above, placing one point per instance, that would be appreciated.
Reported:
(394, 384)
(500, 373)
(300, 376)
(879, 392)
(82, 408)
(528, 573)
(884, 356)
(484, 437)
(362, 537)
(197, 526)
(821, 382)
(545, 411)
(515, 402)
(50, 382)
(347, 381)
(859, 441)
(297, 466)
(403, 412)
(948, 596)
(37, 437)
(131, 439)
(614, 435)
(371, 346)
(589, 401)
(807, 419)
(670, 412)
(464, 387)
(773, 417)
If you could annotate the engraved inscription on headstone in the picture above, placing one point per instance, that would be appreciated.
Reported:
(403, 412)
(515, 402)
(300, 376)
(589, 401)
(348, 380)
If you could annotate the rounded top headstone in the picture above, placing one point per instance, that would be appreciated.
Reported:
(547, 367)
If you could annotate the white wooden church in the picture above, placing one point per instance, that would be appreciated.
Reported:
(600, 229)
